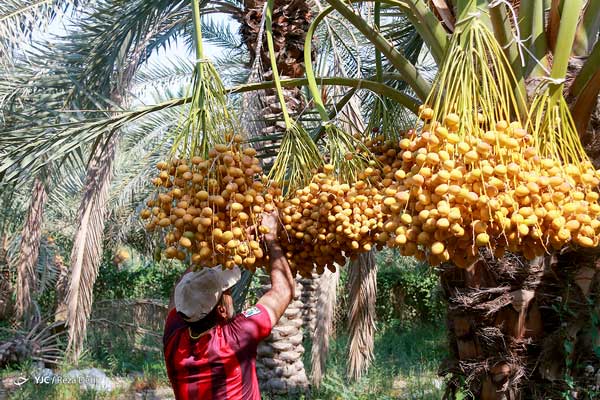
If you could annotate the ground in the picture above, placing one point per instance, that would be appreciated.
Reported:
(405, 367)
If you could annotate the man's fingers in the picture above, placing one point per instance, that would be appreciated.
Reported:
(250, 231)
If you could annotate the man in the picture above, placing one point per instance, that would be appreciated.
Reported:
(209, 352)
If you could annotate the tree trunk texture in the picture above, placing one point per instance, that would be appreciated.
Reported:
(522, 330)
(362, 296)
(279, 365)
(291, 20)
(309, 293)
(62, 289)
(28, 254)
(6, 288)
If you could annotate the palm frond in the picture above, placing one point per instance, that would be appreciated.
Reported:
(326, 303)
(19, 19)
(136, 28)
(232, 66)
(29, 251)
(12, 207)
(87, 245)
(362, 294)
(135, 167)
(220, 33)
(67, 183)
(161, 75)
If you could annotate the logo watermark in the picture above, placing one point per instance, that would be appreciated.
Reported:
(56, 380)
(20, 381)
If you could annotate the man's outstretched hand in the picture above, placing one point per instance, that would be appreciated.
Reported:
(283, 286)
(270, 220)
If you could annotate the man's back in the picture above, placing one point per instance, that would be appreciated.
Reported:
(220, 363)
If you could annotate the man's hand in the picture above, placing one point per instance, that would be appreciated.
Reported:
(283, 285)
(270, 221)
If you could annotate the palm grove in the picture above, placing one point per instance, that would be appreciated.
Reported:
(506, 131)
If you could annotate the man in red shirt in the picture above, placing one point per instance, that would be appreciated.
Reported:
(209, 352)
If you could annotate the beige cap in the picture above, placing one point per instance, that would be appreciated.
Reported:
(199, 292)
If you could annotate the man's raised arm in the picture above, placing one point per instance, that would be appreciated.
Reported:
(283, 286)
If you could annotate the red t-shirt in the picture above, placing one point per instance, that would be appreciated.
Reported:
(221, 364)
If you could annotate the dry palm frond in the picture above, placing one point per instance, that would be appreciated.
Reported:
(40, 343)
(87, 245)
(326, 303)
(29, 250)
(362, 281)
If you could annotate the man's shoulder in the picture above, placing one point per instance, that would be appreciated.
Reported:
(252, 311)
(174, 325)
(250, 317)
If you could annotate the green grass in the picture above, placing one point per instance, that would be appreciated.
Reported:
(32, 391)
(405, 366)
(406, 362)
(110, 352)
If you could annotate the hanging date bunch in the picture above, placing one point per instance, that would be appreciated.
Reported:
(335, 214)
(206, 207)
(211, 190)
(475, 175)
(328, 220)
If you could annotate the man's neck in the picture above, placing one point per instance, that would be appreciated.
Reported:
(197, 333)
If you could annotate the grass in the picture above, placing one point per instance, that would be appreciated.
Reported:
(406, 361)
(405, 366)
(110, 352)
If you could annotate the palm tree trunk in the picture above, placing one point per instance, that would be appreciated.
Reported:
(309, 294)
(279, 363)
(291, 21)
(362, 295)
(522, 330)
(87, 245)
(62, 289)
(28, 253)
(6, 288)
(526, 330)
(493, 313)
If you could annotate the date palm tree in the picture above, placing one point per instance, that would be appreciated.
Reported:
(507, 316)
